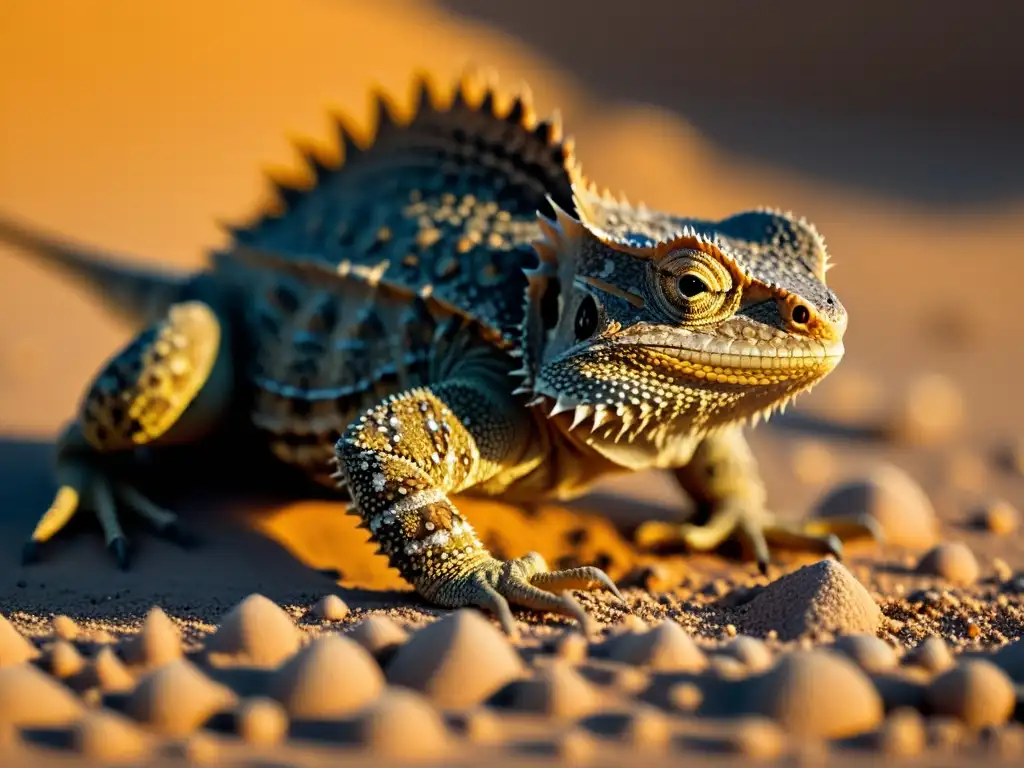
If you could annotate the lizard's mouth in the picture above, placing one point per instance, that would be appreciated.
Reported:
(651, 391)
(765, 365)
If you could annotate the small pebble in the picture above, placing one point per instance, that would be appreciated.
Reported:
(330, 608)
(758, 738)
(630, 680)
(261, 721)
(952, 561)
(647, 728)
(999, 517)
(686, 697)
(893, 498)
(1002, 569)
(902, 734)
(931, 654)
(976, 691)
(870, 653)
(751, 651)
(727, 667)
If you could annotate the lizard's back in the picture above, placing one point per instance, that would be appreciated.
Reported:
(391, 264)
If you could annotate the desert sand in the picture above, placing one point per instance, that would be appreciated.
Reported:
(282, 639)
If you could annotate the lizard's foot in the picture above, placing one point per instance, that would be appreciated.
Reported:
(169, 384)
(526, 582)
(758, 532)
(85, 485)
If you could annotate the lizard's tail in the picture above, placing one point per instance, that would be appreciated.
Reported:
(136, 295)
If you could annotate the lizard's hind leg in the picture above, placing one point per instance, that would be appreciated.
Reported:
(170, 384)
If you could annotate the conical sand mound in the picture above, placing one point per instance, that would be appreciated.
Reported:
(159, 641)
(256, 632)
(379, 634)
(107, 673)
(109, 738)
(821, 597)
(14, 647)
(331, 677)
(64, 660)
(404, 725)
(557, 690)
(457, 662)
(665, 648)
(177, 698)
(30, 697)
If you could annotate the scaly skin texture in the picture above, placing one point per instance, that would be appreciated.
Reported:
(453, 308)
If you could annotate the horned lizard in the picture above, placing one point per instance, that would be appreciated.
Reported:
(452, 307)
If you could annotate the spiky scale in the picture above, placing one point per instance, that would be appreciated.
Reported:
(582, 413)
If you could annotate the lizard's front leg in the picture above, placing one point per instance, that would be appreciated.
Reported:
(404, 457)
(723, 479)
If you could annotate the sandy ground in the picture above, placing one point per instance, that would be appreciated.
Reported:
(136, 129)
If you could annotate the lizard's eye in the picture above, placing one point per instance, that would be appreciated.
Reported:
(690, 285)
(693, 287)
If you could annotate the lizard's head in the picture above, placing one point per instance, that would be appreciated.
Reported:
(641, 326)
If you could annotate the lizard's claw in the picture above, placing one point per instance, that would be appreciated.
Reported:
(526, 582)
(85, 486)
(759, 532)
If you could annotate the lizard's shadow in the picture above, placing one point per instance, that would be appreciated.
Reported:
(77, 577)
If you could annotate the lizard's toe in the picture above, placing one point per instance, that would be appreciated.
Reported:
(847, 527)
(587, 578)
(526, 583)
(163, 522)
(796, 537)
(118, 548)
(88, 488)
(760, 533)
